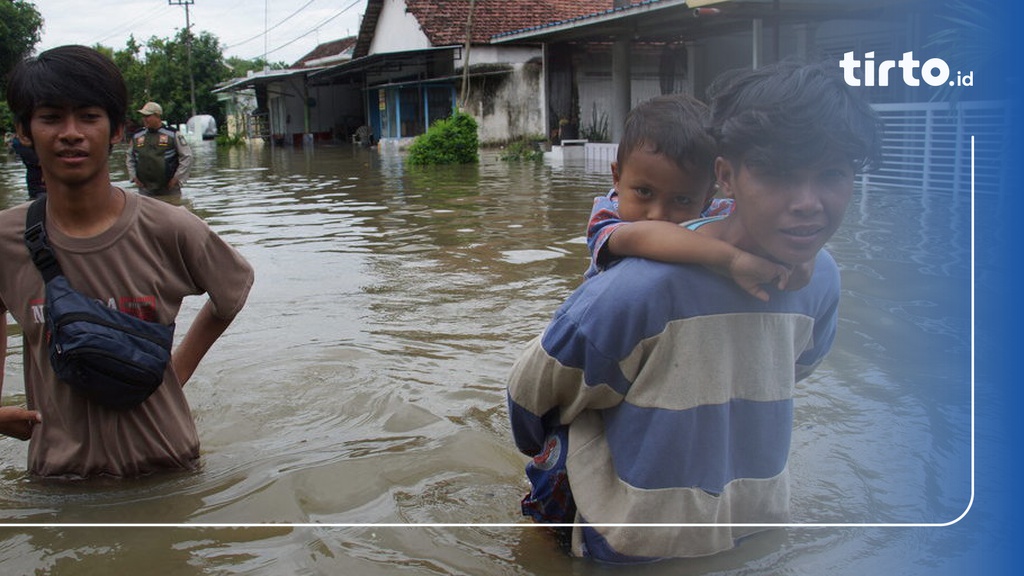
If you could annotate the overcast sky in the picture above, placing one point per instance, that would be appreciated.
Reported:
(283, 30)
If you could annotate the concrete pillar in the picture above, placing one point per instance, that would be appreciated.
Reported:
(691, 70)
(805, 43)
(622, 94)
(545, 110)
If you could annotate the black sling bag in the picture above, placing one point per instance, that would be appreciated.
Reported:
(111, 357)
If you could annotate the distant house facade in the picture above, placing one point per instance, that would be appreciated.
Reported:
(573, 69)
(597, 67)
(282, 107)
(412, 61)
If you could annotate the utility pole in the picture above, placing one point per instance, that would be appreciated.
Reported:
(188, 48)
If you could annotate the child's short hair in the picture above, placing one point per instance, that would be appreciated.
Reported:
(789, 114)
(67, 76)
(674, 125)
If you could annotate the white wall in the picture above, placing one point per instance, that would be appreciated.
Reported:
(502, 55)
(515, 110)
(397, 30)
(594, 81)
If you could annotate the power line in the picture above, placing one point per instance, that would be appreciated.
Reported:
(315, 28)
(306, 5)
(128, 27)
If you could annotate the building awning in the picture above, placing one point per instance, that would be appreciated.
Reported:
(388, 64)
(264, 77)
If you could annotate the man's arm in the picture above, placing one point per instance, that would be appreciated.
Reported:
(14, 421)
(131, 161)
(184, 161)
(204, 331)
(669, 242)
(544, 393)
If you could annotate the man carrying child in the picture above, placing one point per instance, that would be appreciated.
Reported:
(674, 383)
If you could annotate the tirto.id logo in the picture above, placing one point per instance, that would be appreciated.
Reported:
(934, 71)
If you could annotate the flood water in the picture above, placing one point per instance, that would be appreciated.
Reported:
(353, 417)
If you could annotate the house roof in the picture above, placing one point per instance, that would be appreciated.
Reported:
(263, 77)
(444, 21)
(321, 57)
(385, 60)
(674, 20)
(622, 13)
(334, 48)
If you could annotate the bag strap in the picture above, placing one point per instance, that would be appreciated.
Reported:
(35, 239)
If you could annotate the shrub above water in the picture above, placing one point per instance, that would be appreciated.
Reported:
(522, 150)
(448, 141)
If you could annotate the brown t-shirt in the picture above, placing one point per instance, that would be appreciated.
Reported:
(145, 264)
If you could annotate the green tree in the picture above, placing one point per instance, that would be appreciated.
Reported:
(162, 75)
(239, 67)
(20, 29)
(129, 61)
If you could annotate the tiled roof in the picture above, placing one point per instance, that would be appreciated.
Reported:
(444, 21)
(581, 19)
(332, 48)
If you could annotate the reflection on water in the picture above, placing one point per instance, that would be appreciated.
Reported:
(364, 382)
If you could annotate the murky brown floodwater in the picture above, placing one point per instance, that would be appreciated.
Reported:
(364, 384)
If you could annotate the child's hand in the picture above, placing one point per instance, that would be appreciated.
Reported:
(751, 272)
(18, 422)
(799, 276)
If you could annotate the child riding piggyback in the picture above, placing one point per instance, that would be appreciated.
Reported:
(663, 176)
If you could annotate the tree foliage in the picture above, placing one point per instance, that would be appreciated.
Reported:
(156, 69)
(448, 141)
(159, 71)
(20, 30)
(239, 67)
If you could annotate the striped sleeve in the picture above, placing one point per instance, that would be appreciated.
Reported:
(604, 219)
(559, 375)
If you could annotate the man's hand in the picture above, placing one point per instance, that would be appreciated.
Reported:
(18, 422)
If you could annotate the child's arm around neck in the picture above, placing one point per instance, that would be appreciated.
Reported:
(670, 242)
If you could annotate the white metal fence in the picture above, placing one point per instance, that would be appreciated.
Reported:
(926, 146)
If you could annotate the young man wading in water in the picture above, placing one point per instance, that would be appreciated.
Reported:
(137, 254)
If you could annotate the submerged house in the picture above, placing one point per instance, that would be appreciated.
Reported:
(416, 61)
(281, 106)
(600, 65)
(573, 69)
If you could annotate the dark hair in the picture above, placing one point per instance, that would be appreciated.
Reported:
(791, 114)
(673, 125)
(73, 76)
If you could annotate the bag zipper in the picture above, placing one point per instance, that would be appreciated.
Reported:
(66, 319)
